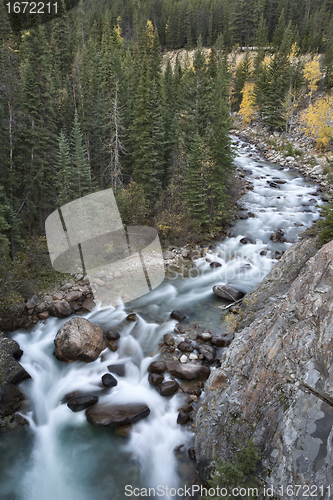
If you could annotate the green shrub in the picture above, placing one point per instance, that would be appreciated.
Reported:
(239, 472)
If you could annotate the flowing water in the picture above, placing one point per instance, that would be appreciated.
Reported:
(62, 457)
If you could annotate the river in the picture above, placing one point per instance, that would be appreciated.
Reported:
(60, 456)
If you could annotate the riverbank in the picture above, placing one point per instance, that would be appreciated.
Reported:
(289, 150)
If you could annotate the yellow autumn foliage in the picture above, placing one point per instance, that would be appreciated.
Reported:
(318, 121)
(149, 35)
(247, 108)
(312, 74)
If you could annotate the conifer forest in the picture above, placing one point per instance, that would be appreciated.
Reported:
(91, 100)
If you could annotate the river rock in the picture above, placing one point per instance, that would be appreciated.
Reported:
(132, 317)
(204, 336)
(43, 315)
(182, 418)
(247, 240)
(75, 295)
(155, 378)
(60, 309)
(223, 341)
(112, 335)
(168, 339)
(228, 292)
(277, 235)
(88, 305)
(274, 383)
(178, 315)
(185, 346)
(40, 308)
(33, 302)
(167, 388)
(193, 389)
(188, 371)
(109, 380)
(80, 403)
(208, 352)
(118, 369)
(215, 264)
(118, 414)
(79, 339)
(156, 367)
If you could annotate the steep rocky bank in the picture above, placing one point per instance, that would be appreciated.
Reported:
(275, 380)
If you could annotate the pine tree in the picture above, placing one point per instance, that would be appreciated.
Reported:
(195, 193)
(65, 175)
(146, 172)
(83, 181)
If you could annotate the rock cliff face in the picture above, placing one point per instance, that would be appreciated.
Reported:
(275, 383)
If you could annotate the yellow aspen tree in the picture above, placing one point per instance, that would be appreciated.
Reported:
(318, 121)
(150, 32)
(312, 74)
(247, 107)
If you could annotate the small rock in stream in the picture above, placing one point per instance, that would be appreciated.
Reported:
(178, 315)
(109, 380)
(167, 388)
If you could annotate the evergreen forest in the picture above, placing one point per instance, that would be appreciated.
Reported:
(86, 104)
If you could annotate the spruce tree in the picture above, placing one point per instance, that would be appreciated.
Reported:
(81, 170)
(65, 175)
(195, 192)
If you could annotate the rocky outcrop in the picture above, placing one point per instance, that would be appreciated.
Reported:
(11, 373)
(78, 339)
(275, 383)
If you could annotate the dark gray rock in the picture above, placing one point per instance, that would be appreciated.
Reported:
(208, 352)
(167, 388)
(155, 378)
(188, 371)
(11, 373)
(33, 302)
(114, 415)
(247, 240)
(80, 403)
(182, 418)
(88, 305)
(60, 309)
(113, 335)
(156, 367)
(185, 346)
(109, 380)
(168, 339)
(228, 292)
(178, 315)
(223, 341)
(215, 264)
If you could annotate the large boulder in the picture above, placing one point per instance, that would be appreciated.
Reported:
(114, 415)
(11, 373)
(78, 339)
(228, 292)
(275, 384)
(188, 371)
